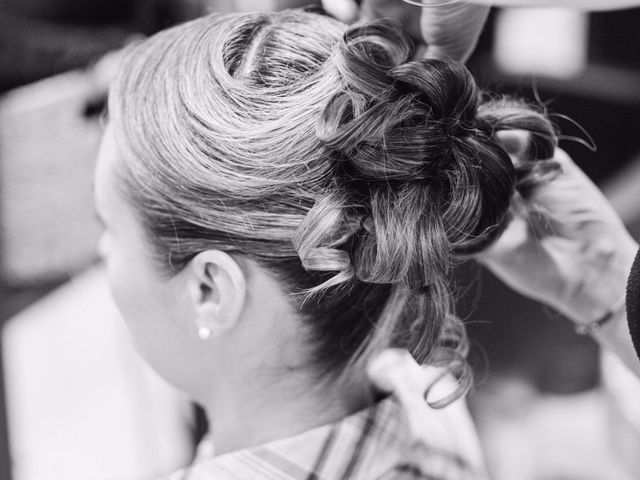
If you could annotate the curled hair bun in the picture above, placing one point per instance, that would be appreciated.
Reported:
(417, 158)
(318, 151)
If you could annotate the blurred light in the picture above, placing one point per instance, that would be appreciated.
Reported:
(543, 41)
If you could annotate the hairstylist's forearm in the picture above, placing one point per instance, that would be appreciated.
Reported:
(566, 247)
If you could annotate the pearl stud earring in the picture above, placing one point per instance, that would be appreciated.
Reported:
(204, 333)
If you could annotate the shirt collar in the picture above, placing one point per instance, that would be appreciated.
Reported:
(399, 434)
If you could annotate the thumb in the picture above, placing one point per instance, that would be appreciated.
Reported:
(452, 31)
(343, 10)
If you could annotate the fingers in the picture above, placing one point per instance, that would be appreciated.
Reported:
(516, 237)
(552, 210)
(515, 142)
(452, 31)
(344, 10)
(348, 11)
(570, 206)
(449, 31)
(408, 15)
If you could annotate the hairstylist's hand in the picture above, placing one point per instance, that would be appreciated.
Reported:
(448, 31)
(451, 30)
(567, 248)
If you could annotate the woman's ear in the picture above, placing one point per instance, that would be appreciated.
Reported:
(217, 290)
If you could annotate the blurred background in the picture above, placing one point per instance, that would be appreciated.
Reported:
(75, 402)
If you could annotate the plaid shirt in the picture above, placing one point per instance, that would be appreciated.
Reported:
(399, 438)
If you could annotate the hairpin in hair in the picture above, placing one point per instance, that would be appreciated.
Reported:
(420, 3)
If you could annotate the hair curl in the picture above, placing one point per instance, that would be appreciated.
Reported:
(354, 175)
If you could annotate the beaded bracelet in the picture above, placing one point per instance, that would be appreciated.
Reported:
(420, 3)
(593, 327)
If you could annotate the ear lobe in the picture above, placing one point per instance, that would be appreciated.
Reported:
(217, 289)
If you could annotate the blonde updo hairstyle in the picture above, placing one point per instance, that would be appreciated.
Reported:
(357, 177)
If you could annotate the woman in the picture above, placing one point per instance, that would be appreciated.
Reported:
(284, 197)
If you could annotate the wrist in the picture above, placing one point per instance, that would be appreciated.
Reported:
(599, 291)
(614, 336)
(617, 334)
(613, 315)
(613, 327)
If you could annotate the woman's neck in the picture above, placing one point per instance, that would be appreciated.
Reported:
(248, 412)
(259, 380)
